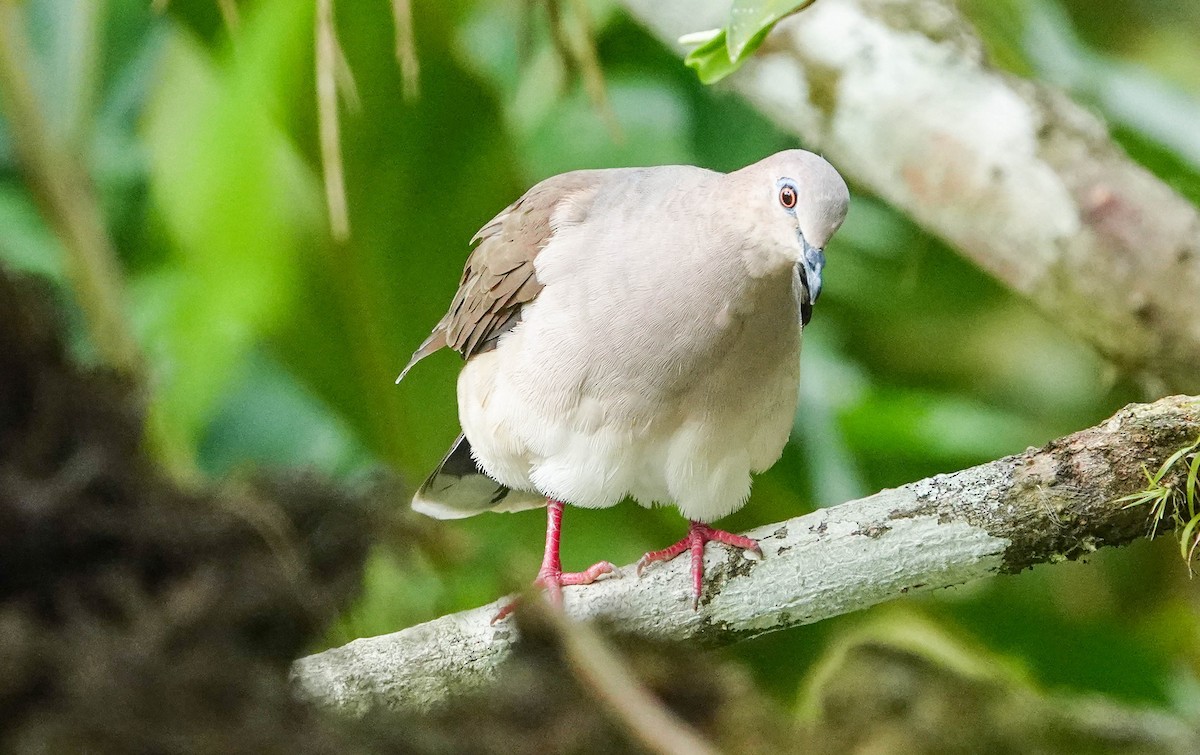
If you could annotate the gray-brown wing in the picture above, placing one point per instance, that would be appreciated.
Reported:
(499, 277)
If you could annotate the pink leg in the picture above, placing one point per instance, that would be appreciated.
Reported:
(698, 534)
(551, 577)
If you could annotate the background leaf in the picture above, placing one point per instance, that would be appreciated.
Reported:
(235, 202)
(749, 23)
(750, 20)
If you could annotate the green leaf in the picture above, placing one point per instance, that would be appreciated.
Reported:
(711, 60)
(950, 428)
(724, 51)
(1186, 546)
(1193, 473)
(1170, 462)
(750, 20)
(1137, 499)
(1001, 27)
(266, 417)
(654, 120)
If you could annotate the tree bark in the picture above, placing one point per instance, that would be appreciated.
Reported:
(1042, 506)
(1024, 182)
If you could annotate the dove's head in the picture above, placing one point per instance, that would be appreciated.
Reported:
(797, 201)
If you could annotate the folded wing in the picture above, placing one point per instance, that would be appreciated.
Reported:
(497, 282)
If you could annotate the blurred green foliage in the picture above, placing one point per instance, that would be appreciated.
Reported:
(270, 344)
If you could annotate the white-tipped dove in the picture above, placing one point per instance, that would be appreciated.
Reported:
(634, 332)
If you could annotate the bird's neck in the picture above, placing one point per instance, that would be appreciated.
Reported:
(766, 264)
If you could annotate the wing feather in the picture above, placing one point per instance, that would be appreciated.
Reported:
(499, 278)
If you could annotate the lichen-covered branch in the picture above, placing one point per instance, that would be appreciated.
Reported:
(899, 96)
(1045, 505)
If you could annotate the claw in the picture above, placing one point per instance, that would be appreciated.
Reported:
(698, 534)
(554, 582)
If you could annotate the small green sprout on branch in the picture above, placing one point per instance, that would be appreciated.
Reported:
(720, 52)
(1165, 497)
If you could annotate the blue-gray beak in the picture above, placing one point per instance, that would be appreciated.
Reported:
(814, 263)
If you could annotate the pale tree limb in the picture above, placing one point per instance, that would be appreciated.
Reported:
(1027, 184)
(1042, 506)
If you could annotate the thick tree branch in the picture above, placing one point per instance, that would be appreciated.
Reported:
(899, 96)
(1044, 505)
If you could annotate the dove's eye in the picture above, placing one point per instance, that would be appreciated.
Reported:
(787, 196)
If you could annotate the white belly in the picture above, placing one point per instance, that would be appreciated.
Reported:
(562, 409)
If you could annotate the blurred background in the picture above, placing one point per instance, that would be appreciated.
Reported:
(271, 336)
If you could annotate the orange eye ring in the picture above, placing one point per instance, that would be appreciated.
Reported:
(787, 196)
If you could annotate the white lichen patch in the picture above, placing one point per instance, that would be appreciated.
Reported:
(920, 553)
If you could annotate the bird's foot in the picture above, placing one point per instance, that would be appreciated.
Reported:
(554, 580)
(698, 534)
